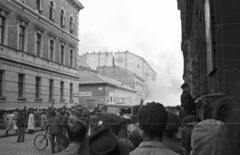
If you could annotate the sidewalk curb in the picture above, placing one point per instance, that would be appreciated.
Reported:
(15, 134)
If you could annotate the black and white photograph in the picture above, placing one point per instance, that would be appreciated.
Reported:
(119, 77)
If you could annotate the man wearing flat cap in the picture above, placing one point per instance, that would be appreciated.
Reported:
(187, 102)
(152, 119)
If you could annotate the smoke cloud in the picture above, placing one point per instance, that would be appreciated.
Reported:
(150, 29)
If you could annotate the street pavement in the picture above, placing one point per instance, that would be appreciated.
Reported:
(10, 146)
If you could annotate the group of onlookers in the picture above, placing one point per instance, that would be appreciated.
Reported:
(79, 130)
(220, 135)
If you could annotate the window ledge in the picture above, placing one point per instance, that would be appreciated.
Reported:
(51, 100)
(22, 98)
(62, 100)
(38, 99)
(2, 98)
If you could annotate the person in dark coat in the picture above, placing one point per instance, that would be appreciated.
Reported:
(54, 125)
(187, 102)
(21, 123)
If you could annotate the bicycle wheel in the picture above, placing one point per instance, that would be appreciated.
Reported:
(40, 142)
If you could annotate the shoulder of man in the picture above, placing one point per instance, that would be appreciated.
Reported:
(124, 145)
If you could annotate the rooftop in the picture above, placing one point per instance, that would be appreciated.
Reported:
(87, 77)
(124, 70)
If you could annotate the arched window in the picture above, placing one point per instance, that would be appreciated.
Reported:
(51, 11)
(39, 5)
(62, 19)
(71, 25)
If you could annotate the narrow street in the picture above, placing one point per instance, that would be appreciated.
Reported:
(10, 146)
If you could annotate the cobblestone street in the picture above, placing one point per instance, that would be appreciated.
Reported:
(10, 146)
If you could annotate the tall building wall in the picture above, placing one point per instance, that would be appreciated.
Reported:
(210, 46)
(130, 61)
(118, 74)
(31, 21)
(94, 60)
(126, 77)
(135, 64)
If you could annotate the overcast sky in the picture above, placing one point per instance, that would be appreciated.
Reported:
(148, 28)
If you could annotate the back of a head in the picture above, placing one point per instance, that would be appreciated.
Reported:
(209, 138)
(190, 119)
(173, 123)
(113, 121)
(77, 131)
(53, 113)
(101, 142)
(184, 85)
(135, 137)
(21, 113)
(153, 119)
(225, 108)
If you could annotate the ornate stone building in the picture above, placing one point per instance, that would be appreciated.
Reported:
(38, 51)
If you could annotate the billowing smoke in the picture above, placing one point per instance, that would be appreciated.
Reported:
(150, 29)
(166, 89)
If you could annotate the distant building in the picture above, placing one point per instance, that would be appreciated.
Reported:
(79, 61)
(39, 46)
(125, 76)
(129, 61)
(93, 60)
(135, 64)
(96, 89)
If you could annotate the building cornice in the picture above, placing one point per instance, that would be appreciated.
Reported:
(4, 8)
(41, 17)
(76, 4)
(48, 68)
(141, 59)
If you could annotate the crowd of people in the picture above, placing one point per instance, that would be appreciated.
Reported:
(82, 131)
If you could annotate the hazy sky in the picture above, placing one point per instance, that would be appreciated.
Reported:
(148, 28)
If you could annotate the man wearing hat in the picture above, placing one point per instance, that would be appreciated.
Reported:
(211, 137)
(187, 102)
(152, 119)
(187, 125)
(77, 132)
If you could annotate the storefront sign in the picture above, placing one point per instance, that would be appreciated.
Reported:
(89, 93)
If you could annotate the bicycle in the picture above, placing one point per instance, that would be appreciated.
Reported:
(41, 141)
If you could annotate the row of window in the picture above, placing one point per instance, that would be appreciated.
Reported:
(22, 40)
(52, 14)
(37, 87)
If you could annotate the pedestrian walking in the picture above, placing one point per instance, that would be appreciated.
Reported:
(31, 123)
(21, 122)
(11, 123)
(43, 120)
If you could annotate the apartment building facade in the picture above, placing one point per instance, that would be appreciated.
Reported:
(38, 52)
